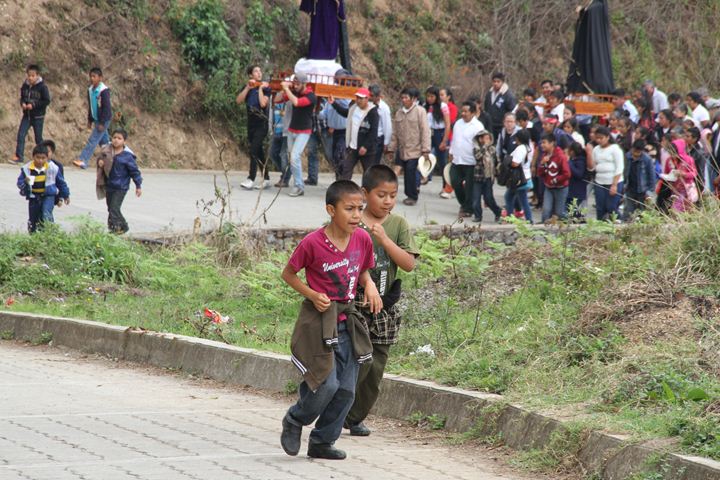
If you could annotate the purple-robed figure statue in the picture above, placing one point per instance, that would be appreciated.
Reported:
(325, 18)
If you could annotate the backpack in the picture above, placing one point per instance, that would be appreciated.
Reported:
(504, 171)
(509, 176)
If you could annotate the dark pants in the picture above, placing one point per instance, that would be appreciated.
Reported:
(440, 155)
(605, 204)
(484, 190)
(664, 198)
(462, 178)
(25, 124)
(410, 178)
(331, 402)
(116, 221)
(368, 384)
(257, 131)
(379, 150)
(633, 202)
(40, 210)
(351, 159)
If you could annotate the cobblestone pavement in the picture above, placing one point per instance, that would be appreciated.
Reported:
(65, 416)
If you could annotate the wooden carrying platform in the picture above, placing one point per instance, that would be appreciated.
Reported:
(591, 104)
(588, 104)
(324, 85)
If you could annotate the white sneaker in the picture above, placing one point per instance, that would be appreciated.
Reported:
(247, 184)
(296, 192)
(446, 195)
(263, 184)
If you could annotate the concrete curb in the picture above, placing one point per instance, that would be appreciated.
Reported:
(609, 457)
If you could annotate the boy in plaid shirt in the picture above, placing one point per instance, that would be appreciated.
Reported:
(394, 247)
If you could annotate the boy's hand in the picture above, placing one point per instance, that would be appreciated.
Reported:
(138, 192)
(372, 298)
(362, 151)
(67, 201)
(379, 232)
(320, 301)
(101, 163)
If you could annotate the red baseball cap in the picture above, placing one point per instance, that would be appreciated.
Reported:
(363, 92)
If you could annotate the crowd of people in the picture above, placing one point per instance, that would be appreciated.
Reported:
(42, 180)
(652, 149)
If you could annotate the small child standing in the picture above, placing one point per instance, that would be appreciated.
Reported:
(330, 338)
(554, 170)
(34, 99)
(99, 116)
(486, 162)
(50, 145)
(41, 182)
(116, 167)
(394, 247)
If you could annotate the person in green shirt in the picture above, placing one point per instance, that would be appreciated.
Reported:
(394, 247)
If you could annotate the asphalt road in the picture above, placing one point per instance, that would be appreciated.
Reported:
(173, 199)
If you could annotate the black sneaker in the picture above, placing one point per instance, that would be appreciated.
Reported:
(359, 430)
(326, 451)
(312, 183)
(290, 437)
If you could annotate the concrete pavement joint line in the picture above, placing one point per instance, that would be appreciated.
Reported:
(131, 461)
(520, 429)
(132, 413)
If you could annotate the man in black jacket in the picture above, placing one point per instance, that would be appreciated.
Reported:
(360, 135)
(499, 100)
(34, 99)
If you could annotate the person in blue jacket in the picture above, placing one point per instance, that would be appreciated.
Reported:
(639, 178)
(99, 116)
(114, 174)
(41, 182)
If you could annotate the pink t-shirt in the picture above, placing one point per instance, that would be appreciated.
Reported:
(330, 271)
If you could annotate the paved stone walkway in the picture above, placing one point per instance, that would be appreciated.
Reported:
(63, 416)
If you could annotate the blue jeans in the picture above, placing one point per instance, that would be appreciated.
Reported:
(25, 124)
(96, 138)
(40, 210)
(322, 139)
(332, 401)
(519, 195)
(440, 155)
(605, 204)
(484, 190)
(712, 175)
(296, 146)
(555, 203)
(279, 156)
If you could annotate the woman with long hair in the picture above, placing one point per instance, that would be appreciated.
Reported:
(440, 125)
(521, 158)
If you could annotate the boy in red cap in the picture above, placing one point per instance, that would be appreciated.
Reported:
(360, 134)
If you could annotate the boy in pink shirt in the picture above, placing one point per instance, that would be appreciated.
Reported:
(330, 337)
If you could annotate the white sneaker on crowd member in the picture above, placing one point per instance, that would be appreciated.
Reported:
(296, 192)
(446, 195)
(247, 184)
(262, 184)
